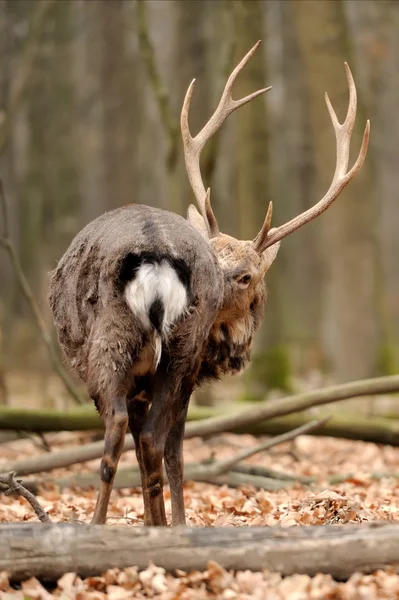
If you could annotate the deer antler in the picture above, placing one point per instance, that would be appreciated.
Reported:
(342, 176)
(194, 145)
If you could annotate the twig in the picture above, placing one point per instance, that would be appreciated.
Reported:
(6, 242)
(38, 439)
(11, 486)
(223, 466)
(4, 212)
(168, 119)
(43, 442)
(161, 95)
(23, 70)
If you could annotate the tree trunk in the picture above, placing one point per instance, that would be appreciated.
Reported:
(297, 268)
(88, 105)
(119, 102)
(351, 323)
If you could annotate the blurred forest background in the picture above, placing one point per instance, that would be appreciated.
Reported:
(90, 98)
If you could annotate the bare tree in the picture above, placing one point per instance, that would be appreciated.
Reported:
(351, 323)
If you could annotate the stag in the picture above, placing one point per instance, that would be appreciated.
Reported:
(148, 305)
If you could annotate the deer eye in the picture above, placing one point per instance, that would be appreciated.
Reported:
(244, 280)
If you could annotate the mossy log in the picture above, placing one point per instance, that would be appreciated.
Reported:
(83, 418)
(44, 420)
(48, 551)
(345, 424)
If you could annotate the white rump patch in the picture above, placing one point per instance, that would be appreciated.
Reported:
(157, 281)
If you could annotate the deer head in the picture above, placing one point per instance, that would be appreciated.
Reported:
(245, 263)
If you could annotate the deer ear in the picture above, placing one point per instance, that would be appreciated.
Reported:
(197, 221)
(269, 255)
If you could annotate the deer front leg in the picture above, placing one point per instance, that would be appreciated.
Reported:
(115, 430)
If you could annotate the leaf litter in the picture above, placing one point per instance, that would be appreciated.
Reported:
(367, 493)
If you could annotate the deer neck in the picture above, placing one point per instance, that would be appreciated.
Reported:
(228, 348)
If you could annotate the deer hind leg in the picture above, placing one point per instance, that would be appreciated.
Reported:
(152, 450)
(152, 440)
(161, 438)
(137, 411)
(115, 430)
(175, 468)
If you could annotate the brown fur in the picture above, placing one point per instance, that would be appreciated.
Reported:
(110, 350)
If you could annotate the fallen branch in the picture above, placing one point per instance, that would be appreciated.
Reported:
(223, 466)
(8, 245)
(219, 472)
(56, 460)
(130, 478)
(377, 430)
(49, 551)
(8, 485)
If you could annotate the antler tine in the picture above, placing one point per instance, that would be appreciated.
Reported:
(343, 131)
(261, 238)
(342, 176)
(194, 145)
(210, 217)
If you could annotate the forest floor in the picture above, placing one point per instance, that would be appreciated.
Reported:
(366, 493)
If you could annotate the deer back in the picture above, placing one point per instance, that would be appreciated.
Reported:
(99, 322)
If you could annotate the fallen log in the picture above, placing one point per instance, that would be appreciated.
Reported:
(345, 424)
(48, 551)
(83, 418)
(34, 420)
(284, 406)
(86, 418)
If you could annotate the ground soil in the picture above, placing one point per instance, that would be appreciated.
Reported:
(369, 491)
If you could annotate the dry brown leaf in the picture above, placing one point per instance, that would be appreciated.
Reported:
(357, 499)
(116, 592)
(4, 581)
(66, 582)
(33, 589)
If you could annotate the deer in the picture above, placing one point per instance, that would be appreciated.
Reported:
(148, 305)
